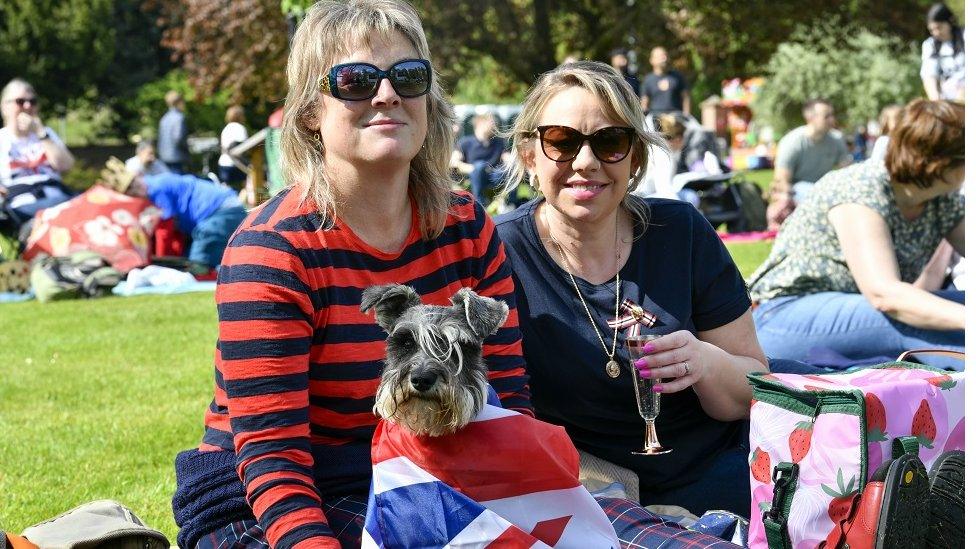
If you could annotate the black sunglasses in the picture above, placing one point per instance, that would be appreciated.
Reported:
(609, 145)
(21, 101)
(361, 81)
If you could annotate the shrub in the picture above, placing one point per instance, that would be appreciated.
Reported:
(858, 71)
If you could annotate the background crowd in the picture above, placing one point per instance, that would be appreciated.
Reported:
(599, 173)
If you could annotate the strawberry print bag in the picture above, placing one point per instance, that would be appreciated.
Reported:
(821, 437)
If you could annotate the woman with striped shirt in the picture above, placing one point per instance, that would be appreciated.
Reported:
(366, 140)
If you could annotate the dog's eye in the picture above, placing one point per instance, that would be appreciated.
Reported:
(404, 342)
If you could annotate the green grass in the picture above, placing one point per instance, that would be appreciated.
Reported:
(97, 397)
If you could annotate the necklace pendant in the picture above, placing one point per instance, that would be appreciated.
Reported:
(613, 369)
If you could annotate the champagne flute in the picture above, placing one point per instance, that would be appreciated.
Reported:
(648, 401)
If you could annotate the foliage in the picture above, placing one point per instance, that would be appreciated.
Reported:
(81, 54)
(235, 46)
(858, 71)
(205, 114)
(486, 83)
(60, 46)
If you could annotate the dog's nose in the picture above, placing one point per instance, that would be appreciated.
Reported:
(423, 380)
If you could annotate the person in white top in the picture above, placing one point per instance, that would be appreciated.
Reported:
(145, 161)
(233, 134)
(32, 156)
(943, 56)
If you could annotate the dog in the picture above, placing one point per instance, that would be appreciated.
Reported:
(435, 379)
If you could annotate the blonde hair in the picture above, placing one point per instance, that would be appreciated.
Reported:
(314, 50)
(235, 113)
(671, 126)
(619, 104)
(173, 98)
(14, 84)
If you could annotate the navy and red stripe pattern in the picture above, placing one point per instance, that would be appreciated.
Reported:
(297, 363)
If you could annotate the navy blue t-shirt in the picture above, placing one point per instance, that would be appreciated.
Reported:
(679, 270)
(665, 92)
(473, 150)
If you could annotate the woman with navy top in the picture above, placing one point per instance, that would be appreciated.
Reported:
(584, 246)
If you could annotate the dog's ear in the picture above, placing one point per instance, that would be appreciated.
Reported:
(389, 302)
(483, 314)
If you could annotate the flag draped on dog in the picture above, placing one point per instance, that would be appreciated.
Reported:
(504, 480)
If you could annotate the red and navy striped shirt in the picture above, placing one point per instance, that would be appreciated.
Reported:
(298, 364)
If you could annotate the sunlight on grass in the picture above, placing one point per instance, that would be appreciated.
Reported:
(99, 396)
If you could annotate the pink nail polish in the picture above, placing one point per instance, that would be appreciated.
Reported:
(640, 363)
(649, 348)
(645, 374)
(657, 388)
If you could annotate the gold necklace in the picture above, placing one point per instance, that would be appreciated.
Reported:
(612, 367)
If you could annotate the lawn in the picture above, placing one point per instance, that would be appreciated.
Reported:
(98, 397)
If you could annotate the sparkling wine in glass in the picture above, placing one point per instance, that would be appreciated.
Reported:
(648, 402)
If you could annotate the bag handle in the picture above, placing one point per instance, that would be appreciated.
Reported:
(942, 352)
(904, 445)
(775, 519)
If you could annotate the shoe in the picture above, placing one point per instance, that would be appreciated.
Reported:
(859, 529)
(947, 520)
(904, 518)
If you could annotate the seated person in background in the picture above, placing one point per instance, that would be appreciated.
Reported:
(669, 170)
(844, 273)
(32, 156)
(145, 161)
(481, 157)
(207, 211)
(803, 156)
(586, 245)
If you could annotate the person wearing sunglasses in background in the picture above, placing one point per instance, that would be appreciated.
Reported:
(32, 157)
(585, 245)
(366, 142)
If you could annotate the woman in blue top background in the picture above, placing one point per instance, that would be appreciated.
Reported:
(587, 244)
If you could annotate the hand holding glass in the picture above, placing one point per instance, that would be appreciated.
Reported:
(648, 401)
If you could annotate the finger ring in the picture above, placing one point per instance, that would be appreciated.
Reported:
(687, 370)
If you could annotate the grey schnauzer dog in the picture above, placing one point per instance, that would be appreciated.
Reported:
(434, 380)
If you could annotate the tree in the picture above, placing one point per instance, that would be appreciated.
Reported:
(240, 46)
(858, 71)
(62, 47)
(516, 40)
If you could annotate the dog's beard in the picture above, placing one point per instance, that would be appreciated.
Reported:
(442, 410)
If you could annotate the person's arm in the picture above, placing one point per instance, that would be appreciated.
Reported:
(55, 151)
(957, 238)
(933, 275)
(931, 85)
(458, 163)
(930, 70)
(865, 241)
(503, 349)
(264, 339)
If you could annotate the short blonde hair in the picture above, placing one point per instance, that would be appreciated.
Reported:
(315, 48)
(235, 113)
(173, 98)
(14, 84)
(619, 104)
